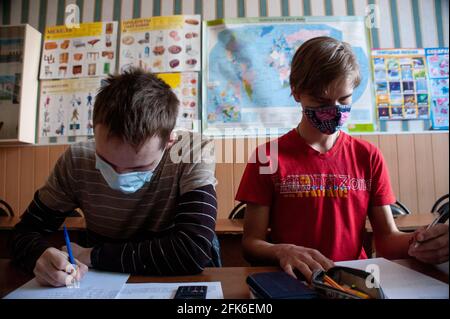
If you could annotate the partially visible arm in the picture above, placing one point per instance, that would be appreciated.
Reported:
(185, 249)
(31, 251)
(288, 256)
(389, 241)
(255, 245)
(27, 242)
(45, 214)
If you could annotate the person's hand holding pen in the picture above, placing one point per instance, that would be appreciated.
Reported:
(58, 268)
(53, 268)
(80, 253)
(430, 244)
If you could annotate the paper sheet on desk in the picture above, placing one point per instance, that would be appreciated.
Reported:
(399, 282)
(166, 290)
(94, 285)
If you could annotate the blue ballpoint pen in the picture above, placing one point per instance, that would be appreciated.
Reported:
(69, 248)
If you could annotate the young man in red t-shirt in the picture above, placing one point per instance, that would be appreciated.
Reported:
(323, 183)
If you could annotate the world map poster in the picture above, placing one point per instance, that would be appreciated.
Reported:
(246, 67)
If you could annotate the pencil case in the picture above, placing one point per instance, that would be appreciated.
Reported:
(352, 283)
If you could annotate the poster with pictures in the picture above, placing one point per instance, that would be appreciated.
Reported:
(9, 105)
(87, 51)
(66, 108)
(401, 87)
(11, 58)
(161, 44)
(185, 86)
(437, 60)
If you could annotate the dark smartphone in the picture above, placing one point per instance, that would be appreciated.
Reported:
(191, 292)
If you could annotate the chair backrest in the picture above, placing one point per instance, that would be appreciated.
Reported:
(399, 209)
(5, 209)
(238, 211)
(441, 205)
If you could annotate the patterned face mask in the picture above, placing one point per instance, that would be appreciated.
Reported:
(327, 119)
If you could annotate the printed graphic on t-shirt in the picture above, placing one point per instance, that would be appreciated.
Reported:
(322, 185)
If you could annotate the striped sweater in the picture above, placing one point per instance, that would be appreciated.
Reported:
(165, 228)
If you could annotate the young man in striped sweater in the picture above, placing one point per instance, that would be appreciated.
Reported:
(148, 198)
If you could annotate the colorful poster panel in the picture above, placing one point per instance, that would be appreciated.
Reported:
(161, 44)
(87, 51)
(185, 86)
(247, 61)
(437, 60)
(11, 58)
(401, 88)
(66, 108)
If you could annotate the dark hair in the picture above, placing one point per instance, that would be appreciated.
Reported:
(136, 106)
(319, 62)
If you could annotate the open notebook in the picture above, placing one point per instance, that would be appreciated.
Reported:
(399, 282)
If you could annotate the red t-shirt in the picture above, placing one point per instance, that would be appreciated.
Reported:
(316, 200)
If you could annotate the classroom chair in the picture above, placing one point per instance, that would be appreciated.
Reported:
(398, 209)
(238, 211)
(441, 205)
(5, 209)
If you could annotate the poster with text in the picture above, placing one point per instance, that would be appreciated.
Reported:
(437, 60)
(161, 44)
(87, 51)
(401, 85)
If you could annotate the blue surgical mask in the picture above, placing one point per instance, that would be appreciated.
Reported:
(126, 183)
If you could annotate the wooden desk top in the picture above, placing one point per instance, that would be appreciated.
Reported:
(232, 278)
(72, 223)
(223, 226)
(409, 222)
(235, 226)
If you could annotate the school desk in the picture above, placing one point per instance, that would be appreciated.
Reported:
(235, 226)
(231, 278)
(229, 233)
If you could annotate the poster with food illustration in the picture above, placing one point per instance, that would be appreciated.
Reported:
(87, 51)
(161, 44)
(66, 108)
(401, 85)
(437, 60)
(185, 86)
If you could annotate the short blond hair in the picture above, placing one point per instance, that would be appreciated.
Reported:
(319, 62)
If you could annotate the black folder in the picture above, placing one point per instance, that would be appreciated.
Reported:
(279, 285)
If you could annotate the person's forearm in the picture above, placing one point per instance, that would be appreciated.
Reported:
(257, 251)
(186, 249)
(27, 242)
(393, 246)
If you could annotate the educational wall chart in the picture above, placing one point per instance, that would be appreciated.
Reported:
(66, 108)
(185, 86)
(437, 61)
(11, 57)
(247, 66)
(161, 44)
(87, 51)
(401, 87)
